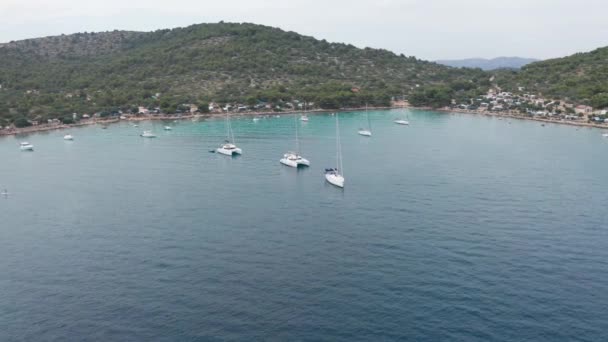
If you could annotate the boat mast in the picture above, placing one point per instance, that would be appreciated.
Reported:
(369, 123)
(295, 117)
(338, 147)
(229, 127)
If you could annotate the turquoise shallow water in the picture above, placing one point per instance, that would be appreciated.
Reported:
(458, 228)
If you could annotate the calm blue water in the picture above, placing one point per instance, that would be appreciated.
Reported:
(457, 228)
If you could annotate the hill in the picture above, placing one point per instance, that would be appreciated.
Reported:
(581, 78)
(223, 62)
(488, 64)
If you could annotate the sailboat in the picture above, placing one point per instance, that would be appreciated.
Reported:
(228, 147)
(304, 117)
(294, 159)
(334, 175)
(366, 132)
(402, 121)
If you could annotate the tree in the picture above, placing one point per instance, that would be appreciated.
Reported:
(67, 120)
(203, 107)
(600, 100)
(21, 122)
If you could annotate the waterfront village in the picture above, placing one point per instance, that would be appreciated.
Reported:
(495, 103)
(532, 106)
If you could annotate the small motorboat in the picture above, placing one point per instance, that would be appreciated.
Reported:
(26, 146)
(168, 128)
(304, 118)
(365, 132)
(605, 135)
(147, 134)
(256, 119)
(402, 122)
(68, 137)
(135, 125)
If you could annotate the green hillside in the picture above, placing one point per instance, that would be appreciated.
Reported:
(581, 78)
(90, 72)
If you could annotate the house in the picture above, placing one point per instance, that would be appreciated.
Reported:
(582, 109)
(143, 110)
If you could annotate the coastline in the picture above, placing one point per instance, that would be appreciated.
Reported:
(171, 117)
(519, 117)
(166, 117)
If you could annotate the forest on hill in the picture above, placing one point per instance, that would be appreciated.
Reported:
(53, 77)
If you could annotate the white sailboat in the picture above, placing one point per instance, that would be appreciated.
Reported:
(294, 159)
(366, 132)
(334, 176)
(402, 121)
(304, 117)
(228, 148)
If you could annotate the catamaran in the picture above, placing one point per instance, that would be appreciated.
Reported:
(294, 159)
(228, 148)
(334, 175)
(366, 132)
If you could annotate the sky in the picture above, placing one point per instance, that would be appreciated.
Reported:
(427, 29)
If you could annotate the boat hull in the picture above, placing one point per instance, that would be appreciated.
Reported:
(365, 133)
(27, 148)
(230, 152)
(289, 162)
(402, 122)
(295, 163)
(335, 180)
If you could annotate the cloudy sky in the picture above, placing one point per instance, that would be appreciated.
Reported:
(429, 29)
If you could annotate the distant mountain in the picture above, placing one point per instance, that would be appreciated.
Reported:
(488, 64)
(53, 77)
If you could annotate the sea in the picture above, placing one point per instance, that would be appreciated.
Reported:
(457, 227)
